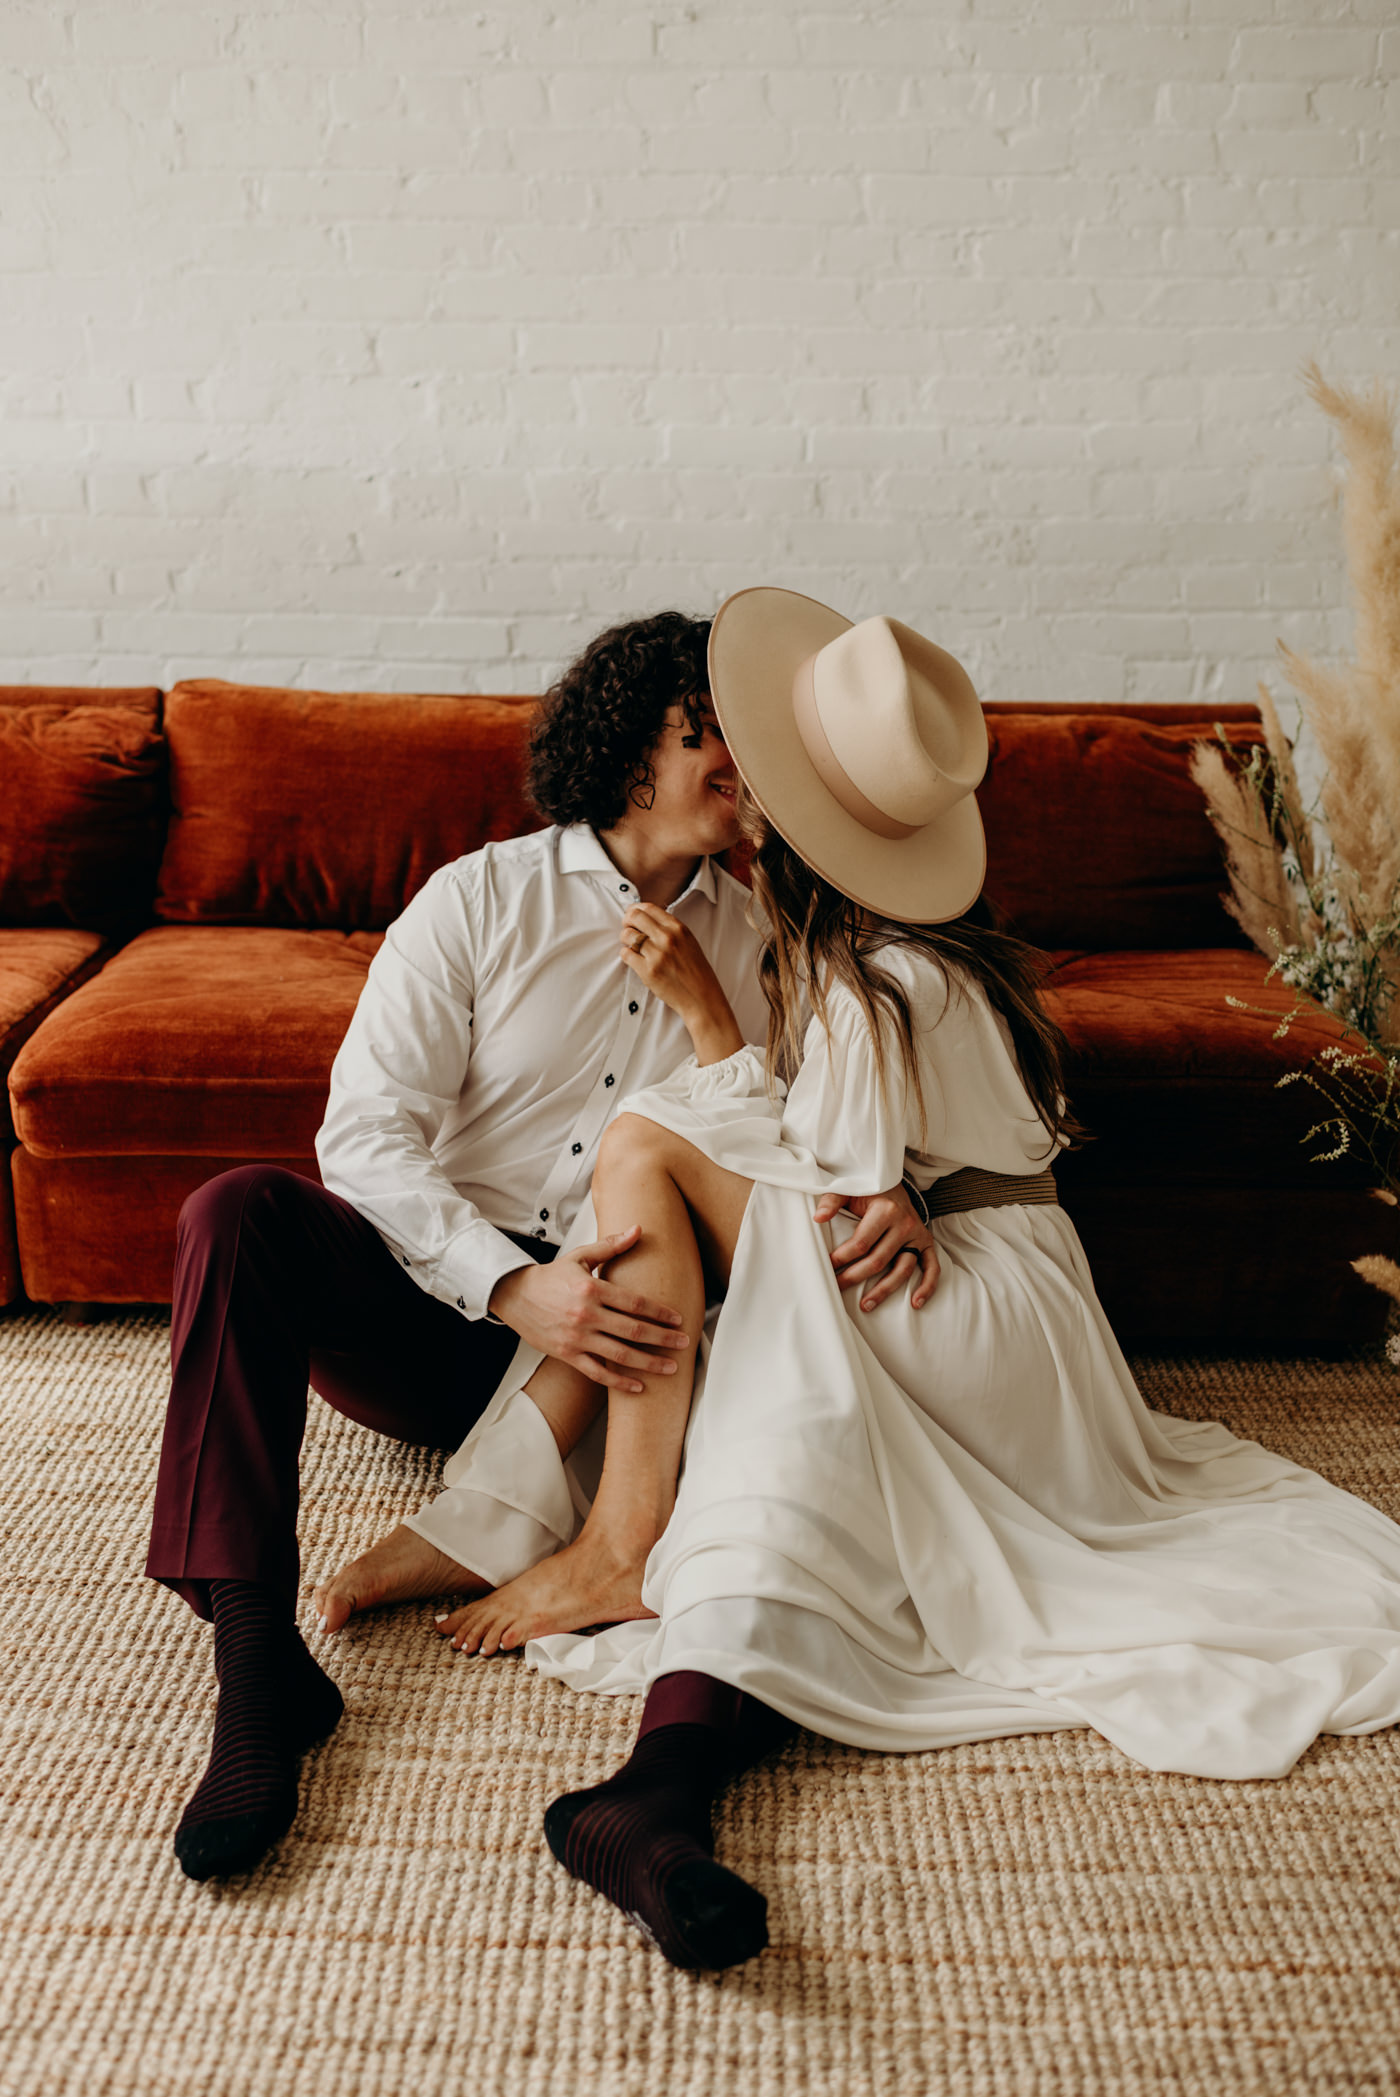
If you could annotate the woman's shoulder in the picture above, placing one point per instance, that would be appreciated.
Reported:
(928, 980)
(928, 984)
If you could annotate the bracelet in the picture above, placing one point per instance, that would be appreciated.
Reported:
(916, 1196)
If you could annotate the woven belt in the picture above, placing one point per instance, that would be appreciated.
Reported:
(973, 1189)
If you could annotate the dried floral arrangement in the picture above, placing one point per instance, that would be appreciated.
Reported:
(1316, 884)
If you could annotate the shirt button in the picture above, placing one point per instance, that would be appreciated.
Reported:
(633, 1006)
(607, 1081)
(622, 888)
(578, 1150)
(405, 1257)
(544, 1215)
(461, 1305)
(537, 1233)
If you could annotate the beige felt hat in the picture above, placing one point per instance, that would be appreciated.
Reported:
(861, 744)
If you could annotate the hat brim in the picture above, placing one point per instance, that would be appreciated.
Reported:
(759, 639)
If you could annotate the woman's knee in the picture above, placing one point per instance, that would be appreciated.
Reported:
(632, 1142)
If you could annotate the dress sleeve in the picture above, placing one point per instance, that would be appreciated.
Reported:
(865, 1128)
(848, 1127)
(854, 1120)
(738, 1077)
(836, 1130)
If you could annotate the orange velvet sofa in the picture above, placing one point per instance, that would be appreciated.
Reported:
(192, 887)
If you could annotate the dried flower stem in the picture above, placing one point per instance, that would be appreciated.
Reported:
(1317, 890)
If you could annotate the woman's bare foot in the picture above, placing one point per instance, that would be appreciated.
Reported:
(405, 1567)
(588, 1583)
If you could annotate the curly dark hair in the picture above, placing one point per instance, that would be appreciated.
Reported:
(599, 724)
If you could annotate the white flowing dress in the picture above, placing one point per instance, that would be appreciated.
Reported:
(910, 1529)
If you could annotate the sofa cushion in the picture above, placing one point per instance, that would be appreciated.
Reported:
(1241, 1265)
(330, 808)
(102, 1230)
(1179, 1088)
(82, 813)
(10, 1278)
(38, 968)
(194, 1041)
(1097, 836)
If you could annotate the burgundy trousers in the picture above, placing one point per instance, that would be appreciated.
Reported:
(748, 1729)
(279, 1283)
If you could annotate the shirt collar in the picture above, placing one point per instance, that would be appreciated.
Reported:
(581, 853)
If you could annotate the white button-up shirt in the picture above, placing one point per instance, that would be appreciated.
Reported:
(496, 1033)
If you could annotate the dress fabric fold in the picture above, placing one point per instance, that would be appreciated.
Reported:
(913, 1529)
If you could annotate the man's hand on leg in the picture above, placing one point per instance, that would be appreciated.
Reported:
(890, 1245)
(571, 1312)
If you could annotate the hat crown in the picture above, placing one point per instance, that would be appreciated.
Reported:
(909, 726)
(901, 719)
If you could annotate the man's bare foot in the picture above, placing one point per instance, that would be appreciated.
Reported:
(585, 1584)
(405, 1567)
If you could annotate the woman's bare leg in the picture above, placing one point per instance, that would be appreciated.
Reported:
(569, 1400)
(405, 1567)
(690, 1211)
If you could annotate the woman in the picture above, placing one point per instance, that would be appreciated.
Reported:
(904, 1532)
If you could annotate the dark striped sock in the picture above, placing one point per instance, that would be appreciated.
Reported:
(274, 1703)
(644, 1841)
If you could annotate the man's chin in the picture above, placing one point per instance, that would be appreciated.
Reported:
(710, 839)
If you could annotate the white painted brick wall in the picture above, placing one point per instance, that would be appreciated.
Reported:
(405, 342)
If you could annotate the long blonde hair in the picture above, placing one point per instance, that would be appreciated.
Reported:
(817, 937)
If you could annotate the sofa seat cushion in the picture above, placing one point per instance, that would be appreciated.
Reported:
(82, 806)
(38, 968)
(191, 1042)
(330, 809)
(1180, 1268)
(11, 1280)
(102, 1230)
(1179, 1088)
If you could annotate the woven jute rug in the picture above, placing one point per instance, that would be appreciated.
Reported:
(1029, 1916)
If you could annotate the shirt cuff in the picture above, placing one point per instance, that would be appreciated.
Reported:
(472, 1264)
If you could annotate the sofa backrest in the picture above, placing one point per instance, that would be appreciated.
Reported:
(330, 809)
(1097, 835)
(82, 806)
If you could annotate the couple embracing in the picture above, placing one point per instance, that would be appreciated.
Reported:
(901, 1489)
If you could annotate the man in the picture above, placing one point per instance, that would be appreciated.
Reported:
(496, 1033)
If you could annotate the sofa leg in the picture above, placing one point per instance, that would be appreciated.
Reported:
(81, 1313)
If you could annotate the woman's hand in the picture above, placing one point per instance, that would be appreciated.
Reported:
(670, 961)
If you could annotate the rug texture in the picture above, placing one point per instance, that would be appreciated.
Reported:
(1035, 1917)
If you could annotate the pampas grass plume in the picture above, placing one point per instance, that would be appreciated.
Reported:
(1366, 424)
(1355, 713)
(1341, 927)
(1260, 899)
(1281, 751)
(1381, 1273)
